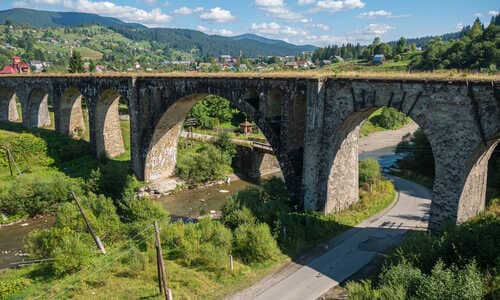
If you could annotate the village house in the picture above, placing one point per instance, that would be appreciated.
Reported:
(325, 62)
(292, 65)
(17, 66)
(39, 66)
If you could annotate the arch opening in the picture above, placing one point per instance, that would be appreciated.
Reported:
(204, 118)
(10, 109)
(72, 114)
(110, 141)
(38, 113)
(482, 183)
(362, 136)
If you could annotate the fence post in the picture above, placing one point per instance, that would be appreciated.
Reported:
(231, 263)
(161, 266)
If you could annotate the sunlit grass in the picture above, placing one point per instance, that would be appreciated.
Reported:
(441, 75)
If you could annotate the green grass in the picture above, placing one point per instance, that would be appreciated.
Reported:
(123, 273)
(88, 53)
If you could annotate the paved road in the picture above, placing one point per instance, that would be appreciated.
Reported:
(352, 250)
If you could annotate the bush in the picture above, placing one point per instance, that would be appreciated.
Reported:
(452, 283)
(204, 164)
(403, 275)
(233, 215)
(389, 118)
(11, 286)
(404, 281)
(369, 171)
(27, 149)
(33, 195)
(254, 243)
(207, 243)
(101, 213)
(364, 291)
(475, 240)
(145, 210)
(71, 250)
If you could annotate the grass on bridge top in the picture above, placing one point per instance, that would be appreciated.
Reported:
(442, 75)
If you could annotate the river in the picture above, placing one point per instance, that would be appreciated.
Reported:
(203, 200)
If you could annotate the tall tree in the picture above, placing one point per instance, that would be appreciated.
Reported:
(75, 63)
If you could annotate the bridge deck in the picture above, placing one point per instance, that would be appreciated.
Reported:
(391, 76)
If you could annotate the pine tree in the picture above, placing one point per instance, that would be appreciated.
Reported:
(75, 63)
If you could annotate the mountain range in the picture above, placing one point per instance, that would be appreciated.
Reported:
(250, 45)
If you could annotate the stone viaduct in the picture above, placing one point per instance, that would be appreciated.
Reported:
(311, 123)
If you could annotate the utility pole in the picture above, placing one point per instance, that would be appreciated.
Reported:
(97, 240)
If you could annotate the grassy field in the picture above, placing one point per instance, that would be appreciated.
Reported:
(88, 53)
(125, 271)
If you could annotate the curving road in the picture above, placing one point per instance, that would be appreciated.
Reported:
(351, 251)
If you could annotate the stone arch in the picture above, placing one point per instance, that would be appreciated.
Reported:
(109, 140)
(473, 197)
(161, 151)
(37, 112)
(71, 121)
(342, 184)
(8, 105)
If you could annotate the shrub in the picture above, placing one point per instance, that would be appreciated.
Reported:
(28, 150)
(35, 195)
(145, 210)
(404, 281)
(233, 215)
(389, 118)
(73, 252)
(254, 243)
(101, 214)
(452, 283)
(403, 275)
(364, 291)
(70, 250)
(10, 286)
(205, 164)
(369, 171)
(207, 243)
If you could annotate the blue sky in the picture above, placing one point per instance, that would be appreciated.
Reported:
(317, 22)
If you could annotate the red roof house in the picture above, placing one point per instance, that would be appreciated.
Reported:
(17, 66)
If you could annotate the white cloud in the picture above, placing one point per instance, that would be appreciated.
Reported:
(223, 32)
(375, 29)
(188, 11)
(321, 26)
(278, 9)
(337, 5)
(493, 12)
(477, 15)
(376, 13)
(460, 26)
(218, 15)
(274, 29)
(106, 8)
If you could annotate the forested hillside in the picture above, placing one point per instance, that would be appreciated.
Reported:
(171, 38)
(476, 47)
